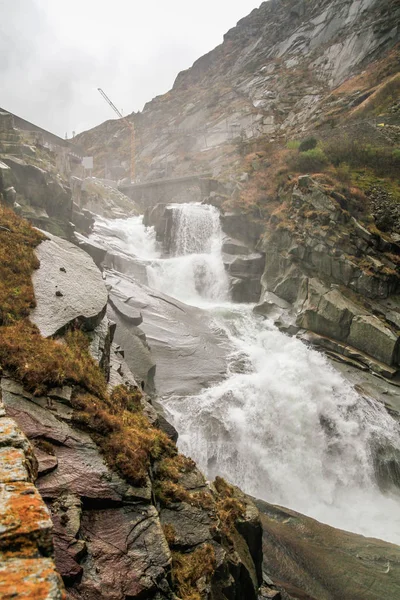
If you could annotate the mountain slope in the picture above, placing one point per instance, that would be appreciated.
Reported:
(272, 77)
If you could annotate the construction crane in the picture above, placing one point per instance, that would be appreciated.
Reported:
(132, 129)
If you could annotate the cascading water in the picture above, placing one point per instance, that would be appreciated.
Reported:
(196, 273)
(283, 424)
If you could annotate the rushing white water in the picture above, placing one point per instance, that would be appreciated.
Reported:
(128, 236)
(196, 273)
(283, 424)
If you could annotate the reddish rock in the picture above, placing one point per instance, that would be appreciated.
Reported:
(30, 579)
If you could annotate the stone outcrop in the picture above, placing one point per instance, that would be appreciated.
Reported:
(338, 275)
(68, 288)
(27, 569)
(112, 539)
(108, 535)
(188, 354)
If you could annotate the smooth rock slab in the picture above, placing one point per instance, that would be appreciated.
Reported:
(32, 579)
(68, 288)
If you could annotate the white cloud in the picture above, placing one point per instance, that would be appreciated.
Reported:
(56, 53)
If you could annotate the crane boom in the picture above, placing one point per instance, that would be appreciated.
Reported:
(131, 127)
(107, 99)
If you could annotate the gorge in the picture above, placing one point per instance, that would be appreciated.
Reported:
(276, 396)
(199, 368)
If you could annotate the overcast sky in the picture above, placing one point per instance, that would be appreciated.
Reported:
(54, 54)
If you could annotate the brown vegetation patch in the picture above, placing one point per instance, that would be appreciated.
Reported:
(229, 508)
(191, 569)
(127, 439)
(17, 262)
(42, 363)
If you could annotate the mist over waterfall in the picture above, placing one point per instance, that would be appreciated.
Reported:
(283, 424)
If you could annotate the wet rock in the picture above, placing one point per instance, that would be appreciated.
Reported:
(191, 525)
(128, 312)
(231, 246)
(326, 311)
(245, 290)
(100, 344)
(245, 266)
(188, 354)
(238, 226)
(97, 252)
(271, 305)
(370, 335)
(85, 295)
(131, 556)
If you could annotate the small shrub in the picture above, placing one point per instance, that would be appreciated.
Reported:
(168, 492)
(310, 161)
(123, 398)
(188, 568)
(343, 173)
(308, 144)
(128, 440)
(293, 145)
(229, 508)
(170, 534)
(172, 468)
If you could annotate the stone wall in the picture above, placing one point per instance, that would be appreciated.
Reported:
(182, 189)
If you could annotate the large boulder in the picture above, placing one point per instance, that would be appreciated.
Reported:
(68, 288)
(40, 189)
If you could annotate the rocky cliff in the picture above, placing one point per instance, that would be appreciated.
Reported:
(277, 74)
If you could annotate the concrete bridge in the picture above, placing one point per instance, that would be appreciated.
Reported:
(191, 188)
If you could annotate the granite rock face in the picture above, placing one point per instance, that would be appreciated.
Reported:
(272, 76)
(108, 535)
(68, 288)
(339, 277)
(318, 562)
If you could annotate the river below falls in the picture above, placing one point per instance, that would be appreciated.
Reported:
(282, 424)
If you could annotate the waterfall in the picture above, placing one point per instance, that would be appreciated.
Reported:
(287, 428)
(283, 424)
(196, 273)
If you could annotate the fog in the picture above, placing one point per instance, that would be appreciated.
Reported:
(55, 54)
